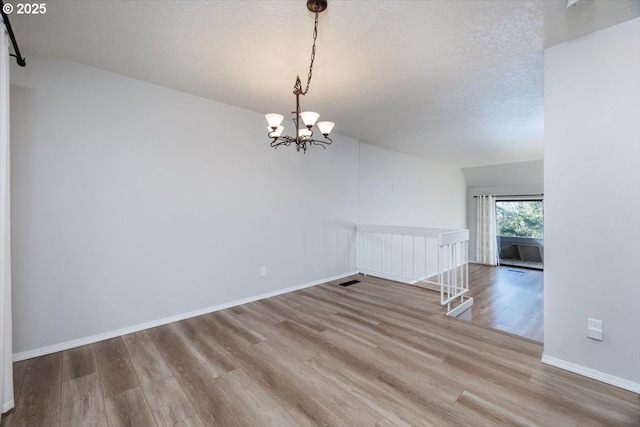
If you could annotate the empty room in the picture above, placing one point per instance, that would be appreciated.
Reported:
(320, 213)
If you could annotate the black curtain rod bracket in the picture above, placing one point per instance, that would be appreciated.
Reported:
(19, 58)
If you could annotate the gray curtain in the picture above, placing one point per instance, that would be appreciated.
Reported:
(486, 251)
(6, 349)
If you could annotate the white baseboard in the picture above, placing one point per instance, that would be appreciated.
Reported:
(386, 276)
(592, 373)
(23, 355)
(457, 311)
(7, 406)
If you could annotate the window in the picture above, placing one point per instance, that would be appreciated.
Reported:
(520, 232)
(519, 218)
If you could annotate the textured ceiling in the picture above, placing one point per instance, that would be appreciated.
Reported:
(458, 82)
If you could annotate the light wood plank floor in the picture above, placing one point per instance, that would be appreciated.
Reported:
(376, 353)
(509, 299)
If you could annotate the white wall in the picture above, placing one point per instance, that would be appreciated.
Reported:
(505, 174)
(592, 203)
(404, 190)
(132, 203)
(399, 189)
(507, 179)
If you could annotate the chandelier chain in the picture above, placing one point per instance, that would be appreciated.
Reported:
(313, 52)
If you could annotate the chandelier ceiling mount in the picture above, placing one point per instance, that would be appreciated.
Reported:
(319, 5)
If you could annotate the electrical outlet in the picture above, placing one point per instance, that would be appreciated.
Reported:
(594, 329)
(263, 271)
(596, 325)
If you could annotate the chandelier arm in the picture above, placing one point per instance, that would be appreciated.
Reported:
(322, 143)
(318, 143)
(281, 141)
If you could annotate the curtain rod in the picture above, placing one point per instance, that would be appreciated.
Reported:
(513, 195)
(19, 58)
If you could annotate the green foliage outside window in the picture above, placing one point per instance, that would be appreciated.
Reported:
(519, 219)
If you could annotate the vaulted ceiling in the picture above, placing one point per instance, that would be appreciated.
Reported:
(457, 82)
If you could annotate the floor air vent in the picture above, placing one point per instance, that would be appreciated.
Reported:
(350, 282)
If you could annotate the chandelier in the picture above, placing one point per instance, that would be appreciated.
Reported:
(304, 134)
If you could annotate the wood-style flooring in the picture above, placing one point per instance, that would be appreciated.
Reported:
(509, 299)
(376, 353)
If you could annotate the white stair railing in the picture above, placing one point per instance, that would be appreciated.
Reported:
(433, 258)
(453, 270)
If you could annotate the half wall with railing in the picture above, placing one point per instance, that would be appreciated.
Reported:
(435, 259)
